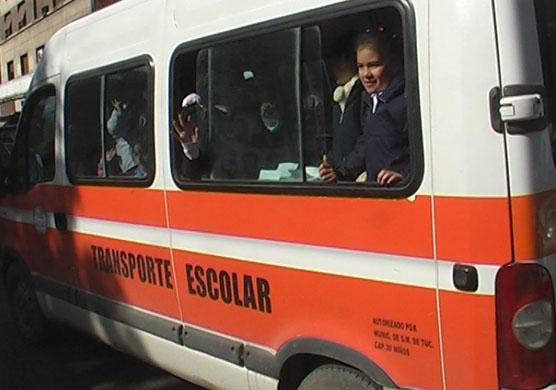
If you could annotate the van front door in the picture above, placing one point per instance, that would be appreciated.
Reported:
(31, 180)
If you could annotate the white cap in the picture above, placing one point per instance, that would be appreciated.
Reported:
(191, 100)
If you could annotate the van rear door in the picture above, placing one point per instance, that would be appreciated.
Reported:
(522, 112)
(526, 34)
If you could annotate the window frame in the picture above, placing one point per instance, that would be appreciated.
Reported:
(21, 143)
(10, 70)
(24, 64)
(102, 72)
(342, 189)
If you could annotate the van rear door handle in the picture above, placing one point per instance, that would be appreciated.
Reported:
(521, 108)
(61, 221)
(518, 108)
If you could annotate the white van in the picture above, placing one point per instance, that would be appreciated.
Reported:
(166, 191)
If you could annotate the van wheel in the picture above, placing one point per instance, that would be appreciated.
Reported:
(336, 377)
(26, 313)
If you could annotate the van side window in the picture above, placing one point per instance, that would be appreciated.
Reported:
(293, 102)
(38, 124)
(83, 126)
(109, 127)
(250, 129)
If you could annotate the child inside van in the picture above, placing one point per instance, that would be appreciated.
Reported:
(346, 127)
(126, 151)
(186, 130)
(382, 151)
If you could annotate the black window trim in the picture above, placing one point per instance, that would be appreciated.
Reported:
(408, 188)
(102, 72)
(46, 90)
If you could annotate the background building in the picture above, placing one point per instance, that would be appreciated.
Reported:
(25, 27)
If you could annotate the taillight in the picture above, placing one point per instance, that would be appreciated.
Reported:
(525, 326)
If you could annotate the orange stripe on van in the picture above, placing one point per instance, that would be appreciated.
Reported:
(121, 204)
(473, 230)
(399, 227)
(534, 225)
(470, 230)
(136, 205)
(526, 243)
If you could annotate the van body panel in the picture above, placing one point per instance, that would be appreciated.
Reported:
(221, 237)
(463, 70)
(472, 224)
(466, 319)
(530, 160)
(143, 20)
(217, 281)
(35, 221)
(53, 65)
(183, 362)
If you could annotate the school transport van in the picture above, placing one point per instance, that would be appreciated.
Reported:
(295, 194)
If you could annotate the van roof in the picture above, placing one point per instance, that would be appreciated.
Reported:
(131, 28)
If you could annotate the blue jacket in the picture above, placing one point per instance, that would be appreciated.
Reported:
(384, 143)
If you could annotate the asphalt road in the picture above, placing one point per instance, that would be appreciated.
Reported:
(71, 361)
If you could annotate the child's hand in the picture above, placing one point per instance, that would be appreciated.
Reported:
(387, 177)
(326, 172)
(185, 129)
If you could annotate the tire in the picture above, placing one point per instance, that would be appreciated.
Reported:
(337, 377)
(25, 311)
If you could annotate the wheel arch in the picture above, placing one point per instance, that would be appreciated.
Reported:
(297, 358)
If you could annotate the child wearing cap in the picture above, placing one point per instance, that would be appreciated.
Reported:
(119, 127)
(186, 130)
